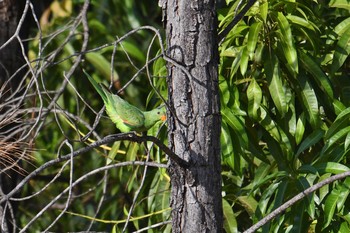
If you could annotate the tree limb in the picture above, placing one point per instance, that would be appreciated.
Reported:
(296, 198)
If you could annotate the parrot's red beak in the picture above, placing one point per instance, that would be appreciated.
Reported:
(163, 118)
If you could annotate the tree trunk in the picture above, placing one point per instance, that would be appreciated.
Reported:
(195, 123)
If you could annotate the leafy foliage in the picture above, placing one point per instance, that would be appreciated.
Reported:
(285, 112)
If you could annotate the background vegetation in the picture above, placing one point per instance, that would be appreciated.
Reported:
(285, 96)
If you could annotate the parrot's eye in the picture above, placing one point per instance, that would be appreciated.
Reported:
(158, 112)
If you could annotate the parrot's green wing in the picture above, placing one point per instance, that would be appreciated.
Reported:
(120, 110)
(124, 115)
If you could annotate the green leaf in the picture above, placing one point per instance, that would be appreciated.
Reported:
(228, 155)
(329, 207)
(340, 4)
(300, 21)
(347, 141)
(319, 76)
(300, 129)
(335, 138)
(264, 10)
(286, 41)
(344, 227)
(102, 65)
(310, 140)
(342, 51)
(230, 222)
(253, 38)
(330, 167)
(309, 100)
(276, 132)
(133, 50)
(113, 152)
(340, 122)
(344, 192)
(254, 95)
(249, 204)
(342, 26)
(237, 124)
(303, 184)
(274, 79)
(338, 107)
(224, 90)
(244, 61)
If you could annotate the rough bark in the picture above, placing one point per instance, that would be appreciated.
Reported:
(194, 124)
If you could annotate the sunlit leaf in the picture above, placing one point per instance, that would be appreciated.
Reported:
(342, 51)
(340, 4)
(300, 21)
(228, 155)
(253, 38)
(244, 61)
(274, 79)
(310, 102)
(331, 167)
(319, 76)
(254, 95)
(287, 43)
(230, 223)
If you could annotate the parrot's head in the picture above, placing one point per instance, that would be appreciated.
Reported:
(154, 116)
(161, 112)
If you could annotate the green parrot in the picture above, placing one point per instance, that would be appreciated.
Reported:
(126, 116)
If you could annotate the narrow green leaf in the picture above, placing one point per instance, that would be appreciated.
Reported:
(270, 125)
(331, 167)
(102, 65)
(230, 222)
(249, 204)
(253, 38)
(344, 227)
(343, 192)
(237, 124)
(306, 168)
(277, 133)
(329, 207)
(236, 64)
(244, 61)
(286, 41)
(340, 4)
(113, 152)
(300, 21)
(254, 95)
(274, 79)
(264, 10)
(265, 199)
(310, 102)
(227, 151)
(340, 122)
(335, 138)
(303, 184)
(319, 76)
(342, 26)
(310, 140)
(133, 50)
(342, 51)
(281, 193)
(299, 132)
(224, 90)
(347, 141)
(338, 106)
